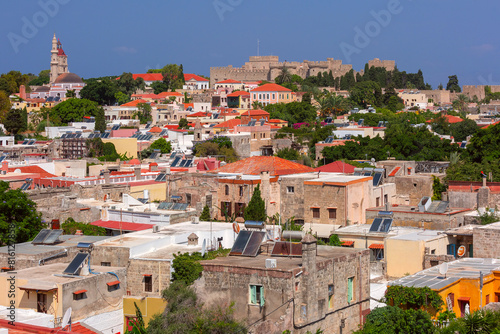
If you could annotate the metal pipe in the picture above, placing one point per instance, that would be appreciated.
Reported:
(65, 251)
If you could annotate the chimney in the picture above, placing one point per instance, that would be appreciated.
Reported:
(5, 166)
(192, 240)
(22, 92)
(106, 176)
(137, 172)
(153, 167)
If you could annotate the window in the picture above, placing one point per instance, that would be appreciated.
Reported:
(106, 264)
(148, 283)
(330, 296)
(487, 299)
(332, 213)
(188, 199)
(78, 295)
(267, 96)
(274, 96)
(350, 289)
(315, 212)
(290, 190)
(257, 295)
(254, 96)
(450, 249)
(239, 209)
(226, 190)
(225, 209)
(377, 204)
(208, 200)
(241, 191)
(451, 299)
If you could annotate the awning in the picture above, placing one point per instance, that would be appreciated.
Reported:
(125, 226)
(147, 275)
(376, 246)
(79, 292)
(38, 287)
(176, 197)
(464, 299)
(347, 243)
(113, 283)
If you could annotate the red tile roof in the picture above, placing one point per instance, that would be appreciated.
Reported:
(21, 328)
(126, 226)
(376, 246)
(133, 103)
(394, 171)
(273, 165)
(450, 119)
(255, 112)
(199, 114)
(229, 81)
(189, 76)
(271, 87)
(32, 170)
(187, 105)
(134, 162)
(493, 124)
(165, 94)
(239, 93)
(171, 126)
(229, 124)
(149, 76)
(336, 167)
(277, 121)
(155, 129)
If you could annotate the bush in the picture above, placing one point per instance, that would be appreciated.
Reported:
(70, 226)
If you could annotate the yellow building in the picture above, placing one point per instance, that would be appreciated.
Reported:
(127, 146)
(149, 306)
(459, 285)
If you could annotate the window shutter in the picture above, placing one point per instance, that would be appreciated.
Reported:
(253, 294)
(349, 289)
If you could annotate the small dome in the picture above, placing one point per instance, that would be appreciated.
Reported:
(68, 78)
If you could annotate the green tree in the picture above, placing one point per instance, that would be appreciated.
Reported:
(453, 85)
(183, 123)
(43, 78)
(437, 188)
(393, 320)
(19, 220)
(461, 130)
(10, 82)
(284, 76)
(70, 226)
(70, 93)
(102, 91)
(288, 154)
(15, 121)
(138, 326)
(173, 76)
(205, 214)
(73, 110)
(128, 85)
(366, 93)
(186, 267)
(121, 98)
(256, 209)
(162, 144)
(144, 112)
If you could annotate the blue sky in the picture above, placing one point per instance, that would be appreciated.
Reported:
(441, 37)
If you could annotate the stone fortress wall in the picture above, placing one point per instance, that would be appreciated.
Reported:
(269, 67)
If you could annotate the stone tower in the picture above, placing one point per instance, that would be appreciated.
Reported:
(58, 60)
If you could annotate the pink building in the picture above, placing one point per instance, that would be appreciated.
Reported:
(272, 93)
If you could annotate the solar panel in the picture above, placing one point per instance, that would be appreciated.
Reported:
(184, 206)
(189, 163)
(53, 236)
(251, 123)
(2, 158)
(380, 124)
(162, 206)
(73, 267)
(282, 248)
(160, 177)
(241, 242)
(357, 171)
(360, 122)
(377, 178)
(442, 207)
(25, 142)
(173, 155)
(25, 186)
(254, 243)
(183, 162)
(376, 225)
(41, 236)
(386, 225)
(153, 155)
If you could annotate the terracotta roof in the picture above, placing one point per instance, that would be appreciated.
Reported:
(255, 112)
(229, 124)
(32, 170)
(149, 76)
(126, 226)
(394, 171)
(171, 126)
(229, 81)
(277, 121)
(134, 162)
(336, 167)
(187, 105)
(450, 119)
(493, 124)
(256, 165)
(165, 94)
(239, 93)
(199, 114)
(189, 76)
(271, 87)
(133, 103)
(155, 129)
(376, 246)
(347, 243)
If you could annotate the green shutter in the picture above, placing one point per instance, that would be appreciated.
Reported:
(262, 300)
(253, 294)
(349, 289)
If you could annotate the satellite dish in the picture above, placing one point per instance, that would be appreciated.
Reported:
(443, 268)
(66, 319)
(204, 247)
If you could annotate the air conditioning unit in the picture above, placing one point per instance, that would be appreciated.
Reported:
(156, 229)
(270, 263)
(195, 220)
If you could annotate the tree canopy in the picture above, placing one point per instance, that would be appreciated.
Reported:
(73, 110)
(256, 209)
(161, 144)
(19, 220)
(453, 85)
(293, 112)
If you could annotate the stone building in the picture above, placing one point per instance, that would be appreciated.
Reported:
(485, 241)
(269, 67)
(322, 288)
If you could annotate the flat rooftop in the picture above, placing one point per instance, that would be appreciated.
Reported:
(424, 235)
(463, 268)
(364, 229)
(340, 178)
(43, 277)
(414, 209)
(27, 248)
(167, 253)
(283, 263)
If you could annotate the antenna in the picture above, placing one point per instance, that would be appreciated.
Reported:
(443, 269)
(258, 44)
(204, 248)
(66, 319)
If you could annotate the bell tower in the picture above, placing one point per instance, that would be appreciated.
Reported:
(58, 60)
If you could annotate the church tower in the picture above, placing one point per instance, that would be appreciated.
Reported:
(58, 60)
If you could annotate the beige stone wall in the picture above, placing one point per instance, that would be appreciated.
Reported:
(159, 269)
(413, 187)
(485, 241)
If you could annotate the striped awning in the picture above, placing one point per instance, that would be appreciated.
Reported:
(376, 246)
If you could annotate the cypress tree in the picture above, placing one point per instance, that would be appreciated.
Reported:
(205, 214)
(256, 209)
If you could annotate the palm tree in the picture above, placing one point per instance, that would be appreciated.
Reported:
(284, 76)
